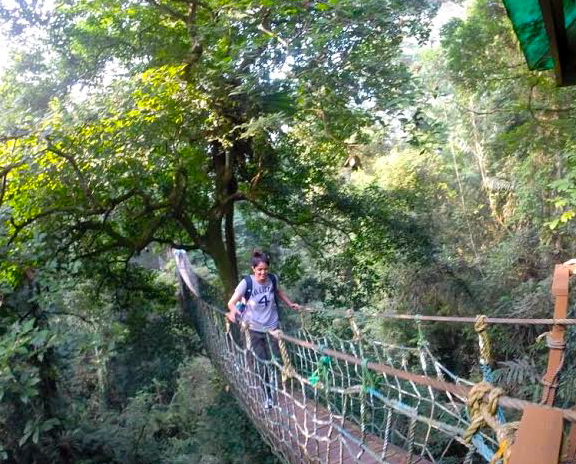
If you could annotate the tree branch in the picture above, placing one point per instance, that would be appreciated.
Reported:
(4, 171)
(530, 108)
(173, 244)
(7, 137)
(79, 173)
(167, 10)
(106, 210)
(330, 224)
(314, 218)
(197, 2)
(107, 229)
(64, 313)
(262, 28)
(19, 227)
(4, 175)
(99, 251)
(274, 215)
(218, 211)
(191, 229)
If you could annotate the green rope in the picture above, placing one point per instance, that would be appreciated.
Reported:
(322, 371)
(369, 381)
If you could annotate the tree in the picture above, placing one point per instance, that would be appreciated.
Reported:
(212, 103)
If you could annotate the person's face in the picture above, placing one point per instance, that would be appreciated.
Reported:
(260, 272)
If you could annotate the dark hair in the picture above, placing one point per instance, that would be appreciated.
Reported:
(259, 257)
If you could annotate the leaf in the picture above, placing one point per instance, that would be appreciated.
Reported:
(562, 185)
(49, 424)
(24, 439)
(567, 216)
(39, 338)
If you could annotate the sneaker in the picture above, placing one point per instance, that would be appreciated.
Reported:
(268, 403)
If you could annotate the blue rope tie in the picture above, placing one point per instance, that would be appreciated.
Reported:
(488, 376)
(483, 449)
(322, 347)
(380, 396)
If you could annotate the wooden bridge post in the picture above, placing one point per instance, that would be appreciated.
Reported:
(570, 449)
(539, 437)
(556, 341)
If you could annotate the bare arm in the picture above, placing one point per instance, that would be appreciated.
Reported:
(232, 303)
(232, 311)
(285, 299)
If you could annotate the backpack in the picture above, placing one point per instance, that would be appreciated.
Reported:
(248, 291)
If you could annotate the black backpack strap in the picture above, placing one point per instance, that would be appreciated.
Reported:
(274, 280)
(248, 292)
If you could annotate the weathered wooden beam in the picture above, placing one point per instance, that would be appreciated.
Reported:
(539, 437)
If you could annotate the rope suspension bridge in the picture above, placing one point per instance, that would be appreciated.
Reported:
(361, 401)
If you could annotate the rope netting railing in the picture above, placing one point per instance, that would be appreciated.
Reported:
(420, 420)
(326, 399)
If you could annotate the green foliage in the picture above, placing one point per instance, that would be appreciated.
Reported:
(521, 377)
(127, 124)
(192, 425)
(20, 346)
(234, 102)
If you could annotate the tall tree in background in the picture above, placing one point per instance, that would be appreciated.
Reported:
(126, 123)
(518, 126)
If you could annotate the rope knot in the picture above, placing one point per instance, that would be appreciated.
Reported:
(245, 329)
(551, 343)
(357, 334)
(480, 325)
(481, 412)
(493, 397)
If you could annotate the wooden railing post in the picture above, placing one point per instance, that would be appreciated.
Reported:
(555, 338)
(556, 343)
(570, 448)
(539, 437)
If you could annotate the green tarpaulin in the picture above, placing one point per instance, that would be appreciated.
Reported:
(528, 23)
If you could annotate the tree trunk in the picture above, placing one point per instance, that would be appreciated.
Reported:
(220, 254)
(231, 242)
(222, 248)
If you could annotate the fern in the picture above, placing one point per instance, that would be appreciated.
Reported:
(516, 375)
